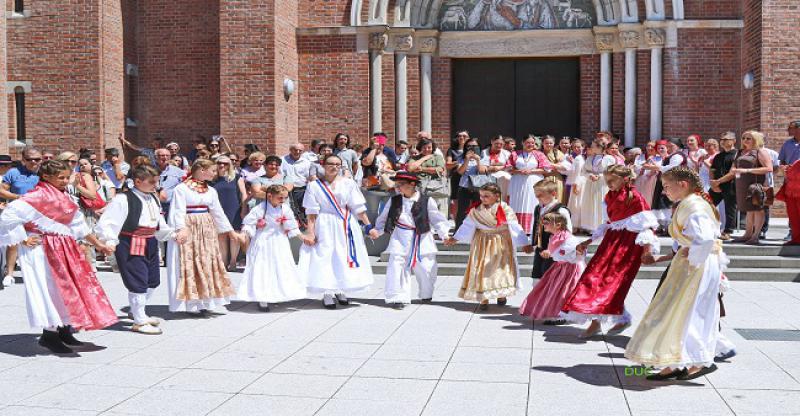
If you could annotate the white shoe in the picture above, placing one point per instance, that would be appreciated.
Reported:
(8, 280)
(146, 329)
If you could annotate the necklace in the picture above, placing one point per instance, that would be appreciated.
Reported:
(198, 186)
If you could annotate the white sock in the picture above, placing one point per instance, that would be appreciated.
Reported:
(138, 301)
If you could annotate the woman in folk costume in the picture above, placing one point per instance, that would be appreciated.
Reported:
(575, 180)
(548, 296)
(679, 331)
(646, 179)
(196, 273)
(336, 261)
(591, 213)
(527, 169)
(61, 290)
(600, 294)
(557, 164)
(132, 225)
(271, 276)
(410, 218)
(662, 206)
(493, 233)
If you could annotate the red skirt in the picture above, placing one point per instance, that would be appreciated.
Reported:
(607, 279)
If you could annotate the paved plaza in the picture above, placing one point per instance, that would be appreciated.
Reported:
(444, 358)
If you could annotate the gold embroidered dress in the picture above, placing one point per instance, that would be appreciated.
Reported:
(681, 325)
(492, 270)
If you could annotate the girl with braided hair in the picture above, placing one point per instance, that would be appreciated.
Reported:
(680, 330)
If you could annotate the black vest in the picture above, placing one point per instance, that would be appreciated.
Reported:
(134, 211)
(419, 211)
(540, 237)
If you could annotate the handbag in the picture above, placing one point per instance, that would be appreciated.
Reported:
(88, 203)
(438, 187)
(761, 196)
(477, 181)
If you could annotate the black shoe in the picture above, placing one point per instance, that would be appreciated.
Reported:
(483, 306)
(426, 300)
(398, 305)
(762, 236)
(724, 357)
(52, 342)
(65, 333)
(502, 301)
(661, 377)
(554, 322)
(703, 371)
(342, 299)
(263, 307)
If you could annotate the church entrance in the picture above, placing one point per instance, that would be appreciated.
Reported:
(516, 97)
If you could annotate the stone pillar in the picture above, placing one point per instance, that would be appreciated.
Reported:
(402, 45)
(426, 48)
(604, 44)
(630, 40)
(377, 43)
(655, 39)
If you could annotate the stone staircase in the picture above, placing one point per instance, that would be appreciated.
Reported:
(769, 262)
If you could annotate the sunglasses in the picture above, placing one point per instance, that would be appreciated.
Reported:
(34, 159)
(223, 163)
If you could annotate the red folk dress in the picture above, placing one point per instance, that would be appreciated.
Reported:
(603, 286)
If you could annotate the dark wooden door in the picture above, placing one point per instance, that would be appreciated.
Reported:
(516, 97)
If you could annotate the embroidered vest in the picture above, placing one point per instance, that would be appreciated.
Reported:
(419, 211)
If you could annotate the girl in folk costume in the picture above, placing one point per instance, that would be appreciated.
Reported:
(334, 257)
(575, 179)
(548, 296)
(527, 169)
(556, 159)
(131, 226)
(662, 206)
(601, 291)
(61, 290)
(493, 232)
(547, 194)
(591, 213)
(195, 270)
(679, 331)
(646, 179)
(271, 275)
(410, 218)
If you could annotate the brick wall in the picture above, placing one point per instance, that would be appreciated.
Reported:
(751, 61)
(177, 50)
(590, 95)
(702, 83)
(112, 73)
(712, 9)
(286, 67)
(441, 103)
(333, 89)
(642, 97)
(57, 49)
(4, 116)
(314, 13)
(618, 93)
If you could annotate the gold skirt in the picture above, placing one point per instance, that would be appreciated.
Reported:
(492, 266)
(203, 273)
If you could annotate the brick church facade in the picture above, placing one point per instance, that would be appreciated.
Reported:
(80, 73)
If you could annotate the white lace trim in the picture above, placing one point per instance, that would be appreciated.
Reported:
(605, 320)
(649, 237)
(23, 210)
(636, 223)
(660, 365)
(487, 295)
(13, 237)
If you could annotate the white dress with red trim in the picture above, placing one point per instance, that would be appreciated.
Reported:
(338, 262)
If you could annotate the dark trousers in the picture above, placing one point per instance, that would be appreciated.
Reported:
(464, 199)
(765, 227)
(139, 273)
(540, 264)
(729, 196)
(296, 203)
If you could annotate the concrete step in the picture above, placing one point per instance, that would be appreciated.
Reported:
(776, 274)
(747, 262)
(770, 248)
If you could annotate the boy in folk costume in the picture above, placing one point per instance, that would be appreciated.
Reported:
(410, 218)
(547, 194)
(132, 226)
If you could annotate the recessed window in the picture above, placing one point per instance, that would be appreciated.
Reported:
(19, 101)
(19, 6)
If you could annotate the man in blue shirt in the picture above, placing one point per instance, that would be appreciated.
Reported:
(790, 153)
(115, 167)
(17, 182)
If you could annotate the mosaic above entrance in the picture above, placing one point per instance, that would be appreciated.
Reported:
(459, 15)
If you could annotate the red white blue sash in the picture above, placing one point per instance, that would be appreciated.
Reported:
(344, 214)
(416, 240)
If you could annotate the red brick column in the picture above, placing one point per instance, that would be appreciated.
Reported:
(4, 126)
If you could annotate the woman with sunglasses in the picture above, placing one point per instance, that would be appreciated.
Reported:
(232, 195)
(337, 262)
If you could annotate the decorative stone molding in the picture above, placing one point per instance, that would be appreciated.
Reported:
(629, 39)
(403, 43)
(604, 41)
(378, 41)
(427, 45)
(655, 37)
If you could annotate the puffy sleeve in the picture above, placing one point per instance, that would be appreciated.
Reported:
(518, 236)
(177, 208)
(290, 224)
(465, 231)
(110, 223)
(164, 232)
(674, 162)
(310, 202)
(702, 230)
(438, 220)
(380, 222)
(215, 208)
(12, 223)
(566, 251)
(78, 226)
(249, 221)
(357, 203)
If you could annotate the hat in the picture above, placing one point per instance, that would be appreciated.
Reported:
(112, 151)
(380, 139)
(676, 141)
(6, 160)
(406, 176)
